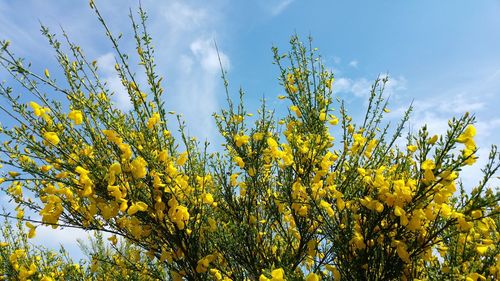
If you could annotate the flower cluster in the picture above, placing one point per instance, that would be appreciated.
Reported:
(311, 195)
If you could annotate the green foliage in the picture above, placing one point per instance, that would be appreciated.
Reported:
(284, 199)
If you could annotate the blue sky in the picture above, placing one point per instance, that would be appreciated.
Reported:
(443, 55)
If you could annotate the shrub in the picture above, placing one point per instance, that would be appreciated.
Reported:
(312, 195)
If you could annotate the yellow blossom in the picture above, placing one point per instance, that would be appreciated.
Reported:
(138, 167)
(296, 110)
(313, 277)
(208, 198)
(76, 116)
(153, 120)
(51, 138)
(136, 207)
(32, 229)
(241, 140)
(239, 162)
(433, 139)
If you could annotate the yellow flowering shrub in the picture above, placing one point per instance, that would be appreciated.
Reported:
(311, 195)
(20, 260)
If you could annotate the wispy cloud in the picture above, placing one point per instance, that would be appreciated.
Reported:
(277, 7)
(66, 237)
(361, 87)
(193, 63)
(474, 95)
(184, 34)
(198, 84)
(120, 96)
(180, 16)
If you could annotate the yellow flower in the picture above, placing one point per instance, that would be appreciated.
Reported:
(20, 214)
(241, 140)
(262, 277)
(290, 84)
(433, 139)
(258, 136)
(313, 277)
(81, 171)
(126, 151)
(322, 116)
(428, 165)
(136, 207)
(398, 211)
(334, 270)
(179, 215)
(139, 168)
(476, 214)
(114, 169)
(208, 198)
(76, 116)
(215, 273)
(468, 133)
(13, 174)
(32, 228)
(155, 119)
(41, 111)
(239, 162)
(202, 265)
(45, 168)
(278, 275)
(333, 120)
(329, 83)
(412, 148)
(112, 136)
(24, 273)
(51, 138)
(296, 110)
(327, 207)
(481, 249)
(183, 157)
(272, 143)
(37, 109)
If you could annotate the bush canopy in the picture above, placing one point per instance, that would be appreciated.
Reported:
(309, 194)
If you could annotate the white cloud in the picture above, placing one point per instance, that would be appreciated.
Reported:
(461, 103)
(120, 98)
(342, 85)
(179, 16)
(106, 63)
(277, 7)
(197, 86)
(488, 128)
(475, 95)
(353, 63)
(205, 52)
(66, 237)
(361, 87)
